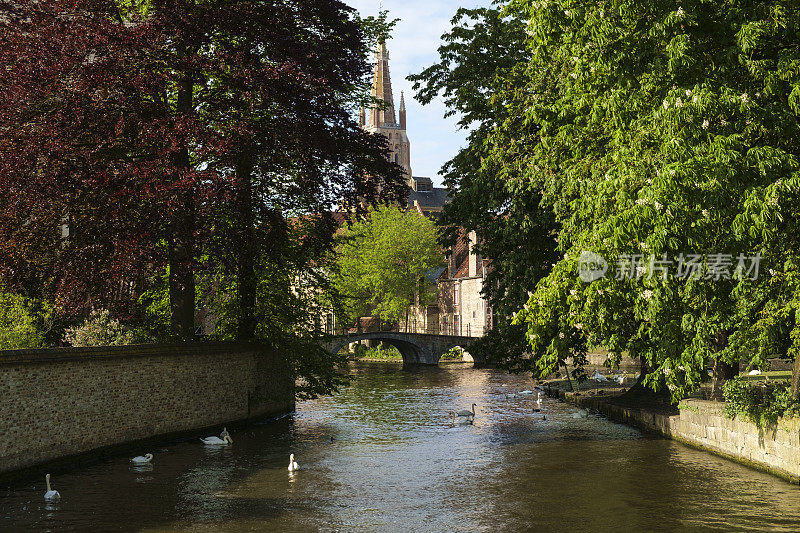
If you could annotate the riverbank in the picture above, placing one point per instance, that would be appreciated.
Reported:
(700, 424)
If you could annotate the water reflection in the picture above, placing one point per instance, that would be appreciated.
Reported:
(384, 455)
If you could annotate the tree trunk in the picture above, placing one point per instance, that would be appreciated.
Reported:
(181, 281)
(181, 241)
(569, 378)
(247, 283)
(796, 378)
(722, 370)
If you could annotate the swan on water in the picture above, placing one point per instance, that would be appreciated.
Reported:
(461, 420)
(470, 414)
(526, 392)
(598, 377)
(216, 441)
(142, 459)
(51, 495)
(580, 414)
(293, 464)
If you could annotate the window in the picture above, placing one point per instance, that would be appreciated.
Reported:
(456, 293)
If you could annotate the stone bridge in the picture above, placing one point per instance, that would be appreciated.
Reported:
(416, 348)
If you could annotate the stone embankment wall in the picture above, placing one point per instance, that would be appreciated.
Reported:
(703, 425)
(63, 402)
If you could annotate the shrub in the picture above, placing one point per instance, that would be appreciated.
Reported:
(378, 352)
(761, 403)
(21, 326)
(453, 354)
(99, 330)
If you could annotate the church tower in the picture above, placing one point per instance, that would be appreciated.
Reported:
(382, 119)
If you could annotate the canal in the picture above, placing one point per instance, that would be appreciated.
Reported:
(383, 455)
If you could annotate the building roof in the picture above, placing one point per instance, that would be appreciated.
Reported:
(435, 198)
(433, 274)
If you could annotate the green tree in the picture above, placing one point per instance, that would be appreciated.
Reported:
(381, 262)
(484, 53)
(23, 322)
(663, 128)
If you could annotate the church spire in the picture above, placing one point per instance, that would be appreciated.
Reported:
(383, 120)
(382, 90)
(402, 111)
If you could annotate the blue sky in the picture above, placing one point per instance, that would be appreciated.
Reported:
(434, 139)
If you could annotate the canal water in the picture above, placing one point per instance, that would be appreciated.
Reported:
(383, 455)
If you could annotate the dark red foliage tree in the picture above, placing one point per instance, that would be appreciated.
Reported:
(134, 139)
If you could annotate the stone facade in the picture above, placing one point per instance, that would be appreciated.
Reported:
(61, 402)
(460, 308)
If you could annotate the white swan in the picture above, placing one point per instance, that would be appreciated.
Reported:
(142, 459)
(470, 414)
(51, 495)
(292, 463)
(461, 420)
(526, 392)
(216, 441)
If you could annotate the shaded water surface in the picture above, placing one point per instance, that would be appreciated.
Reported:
(383, 456)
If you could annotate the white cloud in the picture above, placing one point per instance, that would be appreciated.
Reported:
(413, 47)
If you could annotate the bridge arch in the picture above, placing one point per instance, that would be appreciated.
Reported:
(415, 348)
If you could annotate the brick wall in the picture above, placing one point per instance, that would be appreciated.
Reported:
(65, 401)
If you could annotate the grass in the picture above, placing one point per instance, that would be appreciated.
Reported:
(390, 353)
(777, 375)
(378, 353)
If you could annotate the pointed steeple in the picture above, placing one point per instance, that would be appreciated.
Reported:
(402, 112)
(383, 120)
(382, 90)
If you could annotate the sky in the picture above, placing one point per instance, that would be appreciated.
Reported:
(413, 47)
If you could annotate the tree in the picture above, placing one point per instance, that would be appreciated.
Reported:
(23, 323)
(664, 130)
(165, 133)
(381, 262)
(151, 147)
(484, 54)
